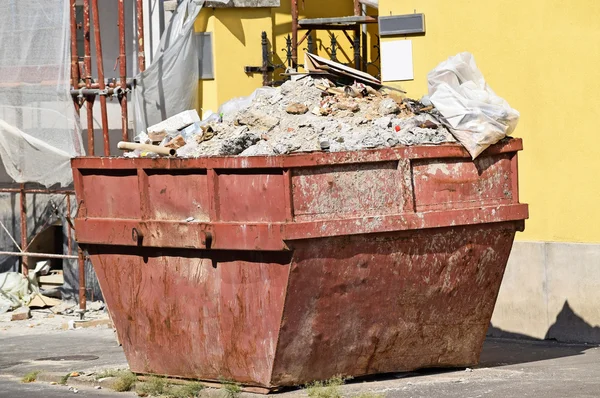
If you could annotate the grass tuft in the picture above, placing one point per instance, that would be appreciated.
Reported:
(107, 373)
(154, 387)
(63, 380)
(125, 381)
(190, 390)
(160, 387)
(30, 377)
(230, 389)
(326, 389)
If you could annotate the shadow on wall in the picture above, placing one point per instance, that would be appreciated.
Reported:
(568, 327)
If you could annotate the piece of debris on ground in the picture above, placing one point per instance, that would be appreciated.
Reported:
(60, 317)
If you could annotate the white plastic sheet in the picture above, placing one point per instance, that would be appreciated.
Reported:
(39, 132)
(170, 84)
(16, 290)
(477, 117)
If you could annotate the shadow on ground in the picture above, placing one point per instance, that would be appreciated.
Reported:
(496, 352)
(502, 348)
(502, 351)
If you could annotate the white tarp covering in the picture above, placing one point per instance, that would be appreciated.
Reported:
(170, 84)
(16, 290)
(477, 116)
(38, 129)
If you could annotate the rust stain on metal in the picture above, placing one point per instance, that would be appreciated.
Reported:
(123, 71)
(140, 35)
(195, 314)
(87, 59)
(278, 271)
(101, 82)
(452, 184)
(346, 190)
(394, 302)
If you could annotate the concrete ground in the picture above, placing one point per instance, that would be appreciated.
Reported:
(538, 369)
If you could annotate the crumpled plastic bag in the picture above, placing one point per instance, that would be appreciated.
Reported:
(14, 291)
(475, 115)
(235, 105)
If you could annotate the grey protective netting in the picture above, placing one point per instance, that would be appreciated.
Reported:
(39, 131)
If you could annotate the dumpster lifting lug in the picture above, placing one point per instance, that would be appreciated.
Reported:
(137, 236)
(206, 240)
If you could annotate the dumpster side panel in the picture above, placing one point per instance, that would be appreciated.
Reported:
(110, 193)
(334, 192)
(256, 196)
(195, 313)
(381, 303)
(443, 184)
(175, 194)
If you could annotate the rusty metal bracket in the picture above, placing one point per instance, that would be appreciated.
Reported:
(267, 64)
(258, 69)
(207, 240)
(137, 237)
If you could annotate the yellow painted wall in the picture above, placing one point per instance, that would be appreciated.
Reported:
(236, 43)
(542, 57)
(208, 98)
(282, 26)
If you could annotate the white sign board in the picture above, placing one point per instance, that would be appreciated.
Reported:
(396, 60)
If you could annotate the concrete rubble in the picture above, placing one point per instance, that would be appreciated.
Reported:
(21, 314)
(307, 115)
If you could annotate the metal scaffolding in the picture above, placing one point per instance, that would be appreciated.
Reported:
(344, 24)
(84, 90)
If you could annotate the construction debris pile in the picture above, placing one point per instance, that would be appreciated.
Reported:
(331, 107)
(306, 115)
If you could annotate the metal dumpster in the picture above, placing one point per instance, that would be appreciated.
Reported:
(277, 271)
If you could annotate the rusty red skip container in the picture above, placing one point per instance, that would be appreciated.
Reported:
(277, 271)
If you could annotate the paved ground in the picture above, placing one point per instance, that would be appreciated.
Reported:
(508, 368)
(13, 388)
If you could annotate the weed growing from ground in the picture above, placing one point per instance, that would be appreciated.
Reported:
(230, 389)
(326, 389)
(124, 382)
(30, 377)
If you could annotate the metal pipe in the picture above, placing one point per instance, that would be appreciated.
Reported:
(69, 240)
(87, 59)
(161, 150)
(111, 84)
(357, 54)
(140, 35)
(265, 58)
(81, 261)
(365, 52)
(96, 91)
(74, 59)
(41, 255)
(306, 35)
(101, 82)
(294, 33)
(123, 71)
(24, 265)
(42, 191)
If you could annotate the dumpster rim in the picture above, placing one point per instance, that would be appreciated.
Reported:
(273, 236)
(312, 159)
